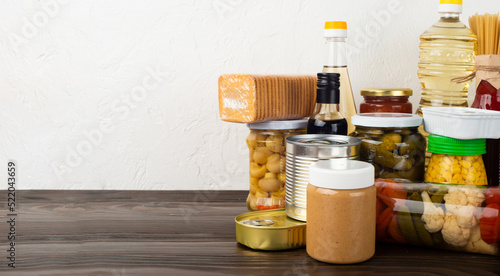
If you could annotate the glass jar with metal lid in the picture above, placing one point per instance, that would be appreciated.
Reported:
(392, 143)
(266, 145)
(386, 100)
(456, 161)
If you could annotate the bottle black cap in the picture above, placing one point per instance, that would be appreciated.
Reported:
(328, 88)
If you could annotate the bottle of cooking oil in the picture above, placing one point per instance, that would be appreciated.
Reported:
(447, 51)
(336, 62)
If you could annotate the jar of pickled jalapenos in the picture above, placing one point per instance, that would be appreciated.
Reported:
(456, 161)
(392, 143)
(266, 145)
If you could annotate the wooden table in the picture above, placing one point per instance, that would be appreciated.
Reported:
(178, 233)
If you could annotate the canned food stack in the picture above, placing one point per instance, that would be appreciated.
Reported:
(310, 170)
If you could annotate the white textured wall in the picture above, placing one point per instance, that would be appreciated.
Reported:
(123, 94)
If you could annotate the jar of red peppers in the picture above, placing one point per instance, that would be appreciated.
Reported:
(266, 145)
(393, 100)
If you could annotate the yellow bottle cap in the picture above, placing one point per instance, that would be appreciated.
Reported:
(452, 2)
(336, 25)
(453, 6)
(335, 29)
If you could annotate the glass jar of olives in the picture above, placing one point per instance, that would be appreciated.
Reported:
(266, 145)
(392, 143)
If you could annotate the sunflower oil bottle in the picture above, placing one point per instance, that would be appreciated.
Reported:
(447, 51)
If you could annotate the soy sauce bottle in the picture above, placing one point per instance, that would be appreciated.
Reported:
(326, 118)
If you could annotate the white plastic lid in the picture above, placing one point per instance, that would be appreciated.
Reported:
(284, 124)
(450, 8)
(386, 120)
(341, 174)
(335, 33)
(454, 6)
(335, 29)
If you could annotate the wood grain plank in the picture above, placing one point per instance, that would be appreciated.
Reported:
(179, 233)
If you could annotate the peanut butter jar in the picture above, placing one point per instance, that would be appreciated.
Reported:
(341, 211)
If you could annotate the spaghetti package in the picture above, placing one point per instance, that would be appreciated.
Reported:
(488, 69)
(487, 29)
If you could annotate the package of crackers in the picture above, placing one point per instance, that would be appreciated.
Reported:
(245, 98)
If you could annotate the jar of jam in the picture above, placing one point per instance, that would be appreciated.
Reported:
(456, 161)
(392, 143)
(266, 145)
(386, 100)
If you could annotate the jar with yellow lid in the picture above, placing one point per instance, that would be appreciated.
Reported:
(266, 145)
(456, 161)
(386, 100)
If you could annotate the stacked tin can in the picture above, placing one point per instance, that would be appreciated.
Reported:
(301, 152)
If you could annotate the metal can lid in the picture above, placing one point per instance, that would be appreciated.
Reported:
(270, 230)
(386, 92)
(322, 146)
(284, 124)
(326, 140)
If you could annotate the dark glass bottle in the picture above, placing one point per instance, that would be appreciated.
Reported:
(326, 118)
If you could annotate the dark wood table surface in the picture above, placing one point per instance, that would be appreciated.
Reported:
(178, 233)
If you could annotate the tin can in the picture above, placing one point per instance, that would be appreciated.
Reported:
(270, 230)
(301, 151)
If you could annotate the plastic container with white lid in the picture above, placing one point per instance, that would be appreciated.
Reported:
(341, 211)
(348, 175)
(392, 143)
(267, 156)
(462, 122)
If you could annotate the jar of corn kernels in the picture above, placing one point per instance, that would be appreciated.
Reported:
(456, 161)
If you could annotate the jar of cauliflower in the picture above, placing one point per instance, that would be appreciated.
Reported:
(456, 161)
(341, 211)
(266, 145)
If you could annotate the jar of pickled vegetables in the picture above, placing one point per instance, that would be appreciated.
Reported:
(266, 145)
(392, 143)
(456, 161)
(446, 216)
(386, 100)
